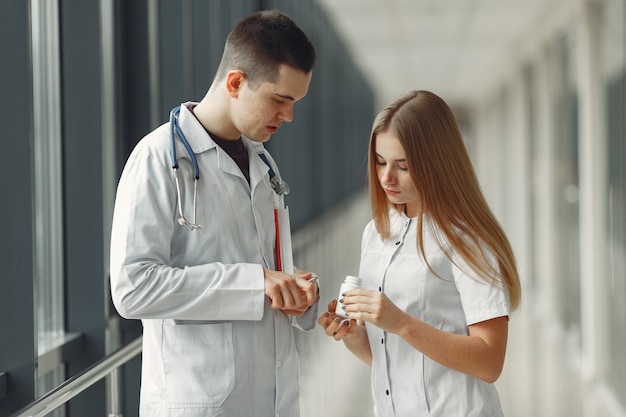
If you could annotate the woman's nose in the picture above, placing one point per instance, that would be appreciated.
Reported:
(387, 176)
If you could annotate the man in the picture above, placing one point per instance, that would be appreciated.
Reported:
(216, 313)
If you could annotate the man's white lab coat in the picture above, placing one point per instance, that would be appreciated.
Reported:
(211, 344)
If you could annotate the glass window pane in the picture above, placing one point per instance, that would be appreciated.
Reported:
(48, 191)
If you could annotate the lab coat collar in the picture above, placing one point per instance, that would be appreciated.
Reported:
(258, 168)
(200, 141)
(399, 223)
(196, 134)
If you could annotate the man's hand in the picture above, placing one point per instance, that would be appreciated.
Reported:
(292, 294)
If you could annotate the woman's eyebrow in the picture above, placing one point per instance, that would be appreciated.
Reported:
(395, 160)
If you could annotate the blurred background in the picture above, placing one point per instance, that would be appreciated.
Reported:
(538, 88)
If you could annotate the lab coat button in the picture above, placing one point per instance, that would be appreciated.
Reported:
(279, 364)
(387, 392)
(382, 341)
(397, 243)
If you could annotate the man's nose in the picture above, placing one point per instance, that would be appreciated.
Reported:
(286, 114)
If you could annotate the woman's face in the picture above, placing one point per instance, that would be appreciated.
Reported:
(393, 173)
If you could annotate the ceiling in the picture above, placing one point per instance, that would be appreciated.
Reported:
(451, 47)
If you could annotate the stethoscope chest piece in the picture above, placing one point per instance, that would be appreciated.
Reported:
(279, 186)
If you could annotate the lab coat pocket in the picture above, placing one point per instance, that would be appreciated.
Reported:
(199, 364)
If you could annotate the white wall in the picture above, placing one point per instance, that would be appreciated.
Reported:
(553, 368)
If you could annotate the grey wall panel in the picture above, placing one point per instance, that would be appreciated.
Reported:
(17, 343)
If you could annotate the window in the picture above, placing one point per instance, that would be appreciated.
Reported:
(48, 230)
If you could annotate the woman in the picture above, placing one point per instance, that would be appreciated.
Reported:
(439, 276)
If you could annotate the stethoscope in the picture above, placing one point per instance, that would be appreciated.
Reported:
(279, 186)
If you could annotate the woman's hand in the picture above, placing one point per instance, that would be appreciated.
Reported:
(334, 325)
(373, 307)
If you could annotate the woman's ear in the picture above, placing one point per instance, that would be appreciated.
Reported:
(234, 80)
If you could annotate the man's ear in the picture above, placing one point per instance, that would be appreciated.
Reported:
(234, 81)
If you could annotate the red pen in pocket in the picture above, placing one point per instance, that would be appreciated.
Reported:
(278, 255)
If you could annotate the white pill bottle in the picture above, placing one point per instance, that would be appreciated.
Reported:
(350, 283)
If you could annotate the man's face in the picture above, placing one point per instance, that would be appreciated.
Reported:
(259, 113)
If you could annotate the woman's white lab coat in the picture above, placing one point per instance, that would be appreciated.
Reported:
(405, 381)
(211, 344)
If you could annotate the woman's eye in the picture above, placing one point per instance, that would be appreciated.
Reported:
(402, 168)
(379, 162)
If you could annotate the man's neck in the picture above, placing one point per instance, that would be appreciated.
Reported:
(213, 114)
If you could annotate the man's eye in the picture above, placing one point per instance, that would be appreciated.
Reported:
(279, 101)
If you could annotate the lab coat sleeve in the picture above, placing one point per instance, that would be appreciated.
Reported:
(143, 283)
(481, 300)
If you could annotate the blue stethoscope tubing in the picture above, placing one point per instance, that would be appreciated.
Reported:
(279, 186)
(176, 130)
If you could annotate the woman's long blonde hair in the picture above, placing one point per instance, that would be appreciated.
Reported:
(447, 186)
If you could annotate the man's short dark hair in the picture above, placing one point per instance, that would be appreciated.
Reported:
(262, 42)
